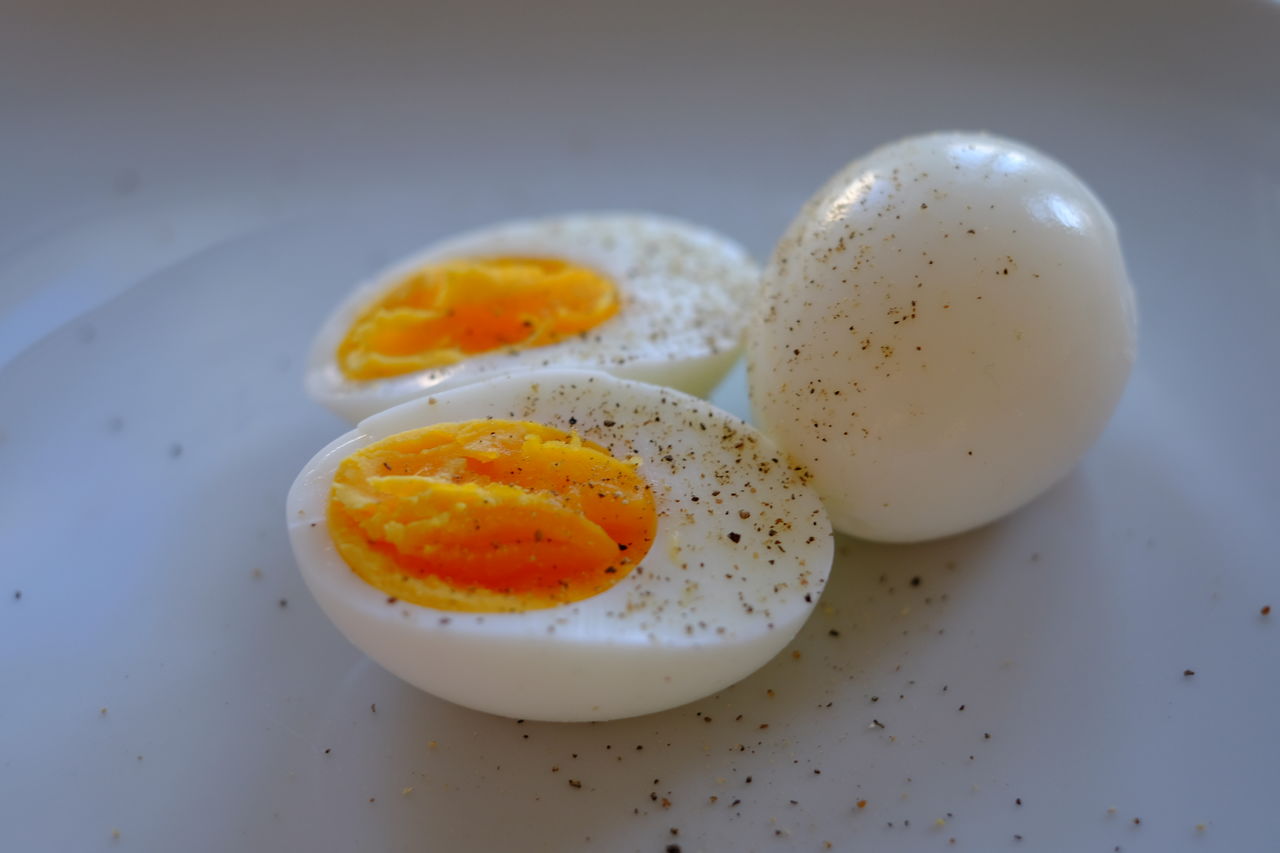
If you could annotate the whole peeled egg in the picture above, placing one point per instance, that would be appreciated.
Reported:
(944, 329)
(561, 545)
(636, 295)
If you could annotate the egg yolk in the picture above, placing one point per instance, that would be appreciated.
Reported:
(444, 313)
(490, 515)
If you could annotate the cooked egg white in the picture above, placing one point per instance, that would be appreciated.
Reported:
(637, 296)
(945, 328)
(735, 562)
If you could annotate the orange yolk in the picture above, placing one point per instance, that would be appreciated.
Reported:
(442, 314)
(490, 515)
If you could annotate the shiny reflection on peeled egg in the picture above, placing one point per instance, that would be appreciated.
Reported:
(944, 329)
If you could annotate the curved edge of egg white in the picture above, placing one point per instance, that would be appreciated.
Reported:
(697, 373)
(514, 666)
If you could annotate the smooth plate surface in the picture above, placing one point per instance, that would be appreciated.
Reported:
(188, 192)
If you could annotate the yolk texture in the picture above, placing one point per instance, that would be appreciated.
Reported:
(490, 515)
(442, 314)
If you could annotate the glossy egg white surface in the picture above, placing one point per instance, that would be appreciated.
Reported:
(741, 555)
(682, 289)
(945, 328)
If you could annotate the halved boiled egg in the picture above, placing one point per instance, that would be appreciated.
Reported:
(561, 545)
(637, 296)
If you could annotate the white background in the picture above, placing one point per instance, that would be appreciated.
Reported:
(185, 192)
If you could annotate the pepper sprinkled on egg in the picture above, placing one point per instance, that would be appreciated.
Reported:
(638, 296)
(561, 545)
(942, 332)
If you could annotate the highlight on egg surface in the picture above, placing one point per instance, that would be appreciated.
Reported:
(944, 329)
(638, 296)
(561, 545)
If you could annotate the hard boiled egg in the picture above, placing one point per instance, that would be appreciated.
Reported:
(637, 296)
(561, 545)
(945, 328)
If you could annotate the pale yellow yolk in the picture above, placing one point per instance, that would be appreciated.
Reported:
(490, 516)
(442, 314)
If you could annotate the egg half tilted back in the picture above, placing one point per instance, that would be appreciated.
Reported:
(638, 296)
(491, 535)
(943, 331)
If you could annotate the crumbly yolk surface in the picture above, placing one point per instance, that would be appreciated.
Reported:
(444, 313)
(490, 515)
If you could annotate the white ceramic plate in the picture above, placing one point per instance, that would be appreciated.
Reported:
(190, 191)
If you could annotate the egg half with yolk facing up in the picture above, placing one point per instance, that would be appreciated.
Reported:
(638, 296)
(561, 545)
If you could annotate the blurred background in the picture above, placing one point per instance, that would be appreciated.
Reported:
(147, 129)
